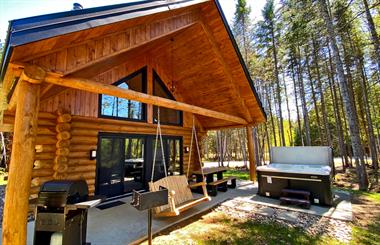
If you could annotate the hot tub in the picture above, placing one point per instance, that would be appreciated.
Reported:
(303, 168)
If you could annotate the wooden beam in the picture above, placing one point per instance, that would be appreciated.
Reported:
(6, 128)
(251, 154)
(13, 101)
(46, 89)
(100, 88)
(20, 169)
(226, 69)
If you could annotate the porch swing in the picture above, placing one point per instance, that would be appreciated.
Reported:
(180, 195)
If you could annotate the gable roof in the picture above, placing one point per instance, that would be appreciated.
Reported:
(45, 27)
(36, 28)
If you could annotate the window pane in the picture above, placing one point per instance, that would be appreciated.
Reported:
(174, 167)
(167, 116)
(134, 164)
(159, 169)
(118, 107)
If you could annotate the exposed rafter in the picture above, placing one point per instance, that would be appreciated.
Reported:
(227, 70)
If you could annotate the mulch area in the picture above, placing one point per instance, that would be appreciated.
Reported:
(313, 225)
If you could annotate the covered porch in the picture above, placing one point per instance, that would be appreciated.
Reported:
(78, 82)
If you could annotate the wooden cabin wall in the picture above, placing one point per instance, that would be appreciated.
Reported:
(45, 149)
(84, 133)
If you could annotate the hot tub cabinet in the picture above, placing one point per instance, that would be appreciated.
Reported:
(298, 168)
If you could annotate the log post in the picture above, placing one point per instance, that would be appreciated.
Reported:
(22, 158)
(251, 154)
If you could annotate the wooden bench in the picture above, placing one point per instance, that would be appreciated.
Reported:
(221, 185)
(296, 197)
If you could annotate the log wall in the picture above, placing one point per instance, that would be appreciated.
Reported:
(64, 142)
(84, 137)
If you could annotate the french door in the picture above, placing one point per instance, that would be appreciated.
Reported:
(125, 162)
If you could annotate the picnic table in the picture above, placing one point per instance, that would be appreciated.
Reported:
(214, 185)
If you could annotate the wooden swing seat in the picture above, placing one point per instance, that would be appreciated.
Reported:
(180, 195)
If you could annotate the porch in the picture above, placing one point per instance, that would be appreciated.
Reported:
(72, 80)
(123, 224)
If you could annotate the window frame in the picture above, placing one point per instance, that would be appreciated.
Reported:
(144, 118)
(167, 91)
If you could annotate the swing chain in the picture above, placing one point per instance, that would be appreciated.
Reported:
(194, 135)
(158, 133)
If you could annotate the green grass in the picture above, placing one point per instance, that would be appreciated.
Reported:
(2, 175)
(240, 174)
(252, 232)
(371, 234)
(373, 196)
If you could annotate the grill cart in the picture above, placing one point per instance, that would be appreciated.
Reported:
(61, 213)
(148, 201)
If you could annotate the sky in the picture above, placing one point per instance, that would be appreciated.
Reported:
(15, 9)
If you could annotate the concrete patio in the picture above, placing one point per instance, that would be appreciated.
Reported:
(125, 225)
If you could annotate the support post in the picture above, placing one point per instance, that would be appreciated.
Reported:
(20, 168)
(251, 154)
(150, 215)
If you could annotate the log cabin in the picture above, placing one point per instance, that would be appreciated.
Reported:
(81, 91)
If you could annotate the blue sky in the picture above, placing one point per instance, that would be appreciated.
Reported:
(15, 9)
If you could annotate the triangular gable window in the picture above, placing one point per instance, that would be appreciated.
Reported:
(168, 116)
(118, 108)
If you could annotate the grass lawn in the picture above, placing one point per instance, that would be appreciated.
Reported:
(2, 175)
(240, 174)
(366, 227)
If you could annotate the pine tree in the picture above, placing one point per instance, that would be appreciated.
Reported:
(347, 99)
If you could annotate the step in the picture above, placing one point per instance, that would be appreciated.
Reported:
(291, 200)
(297, 192)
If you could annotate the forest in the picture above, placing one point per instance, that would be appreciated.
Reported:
(316, 68)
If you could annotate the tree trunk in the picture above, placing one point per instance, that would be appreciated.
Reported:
(371, 134)
(305, 114)
(271, 116)
(278, 87)
(297, 108)
(256, 146)
(288, 109)
(374, 36)
(348, 101)
(314, 100)
(321, 92)
(338, 121)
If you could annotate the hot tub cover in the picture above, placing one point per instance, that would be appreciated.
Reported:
(317, 169)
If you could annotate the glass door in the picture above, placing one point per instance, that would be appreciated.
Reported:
(134, 163)
(173, 157)
(125, 162)
(109, 166)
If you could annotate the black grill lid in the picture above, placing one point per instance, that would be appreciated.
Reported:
(63, 191)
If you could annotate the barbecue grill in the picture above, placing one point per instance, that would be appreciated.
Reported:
(61, 213)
